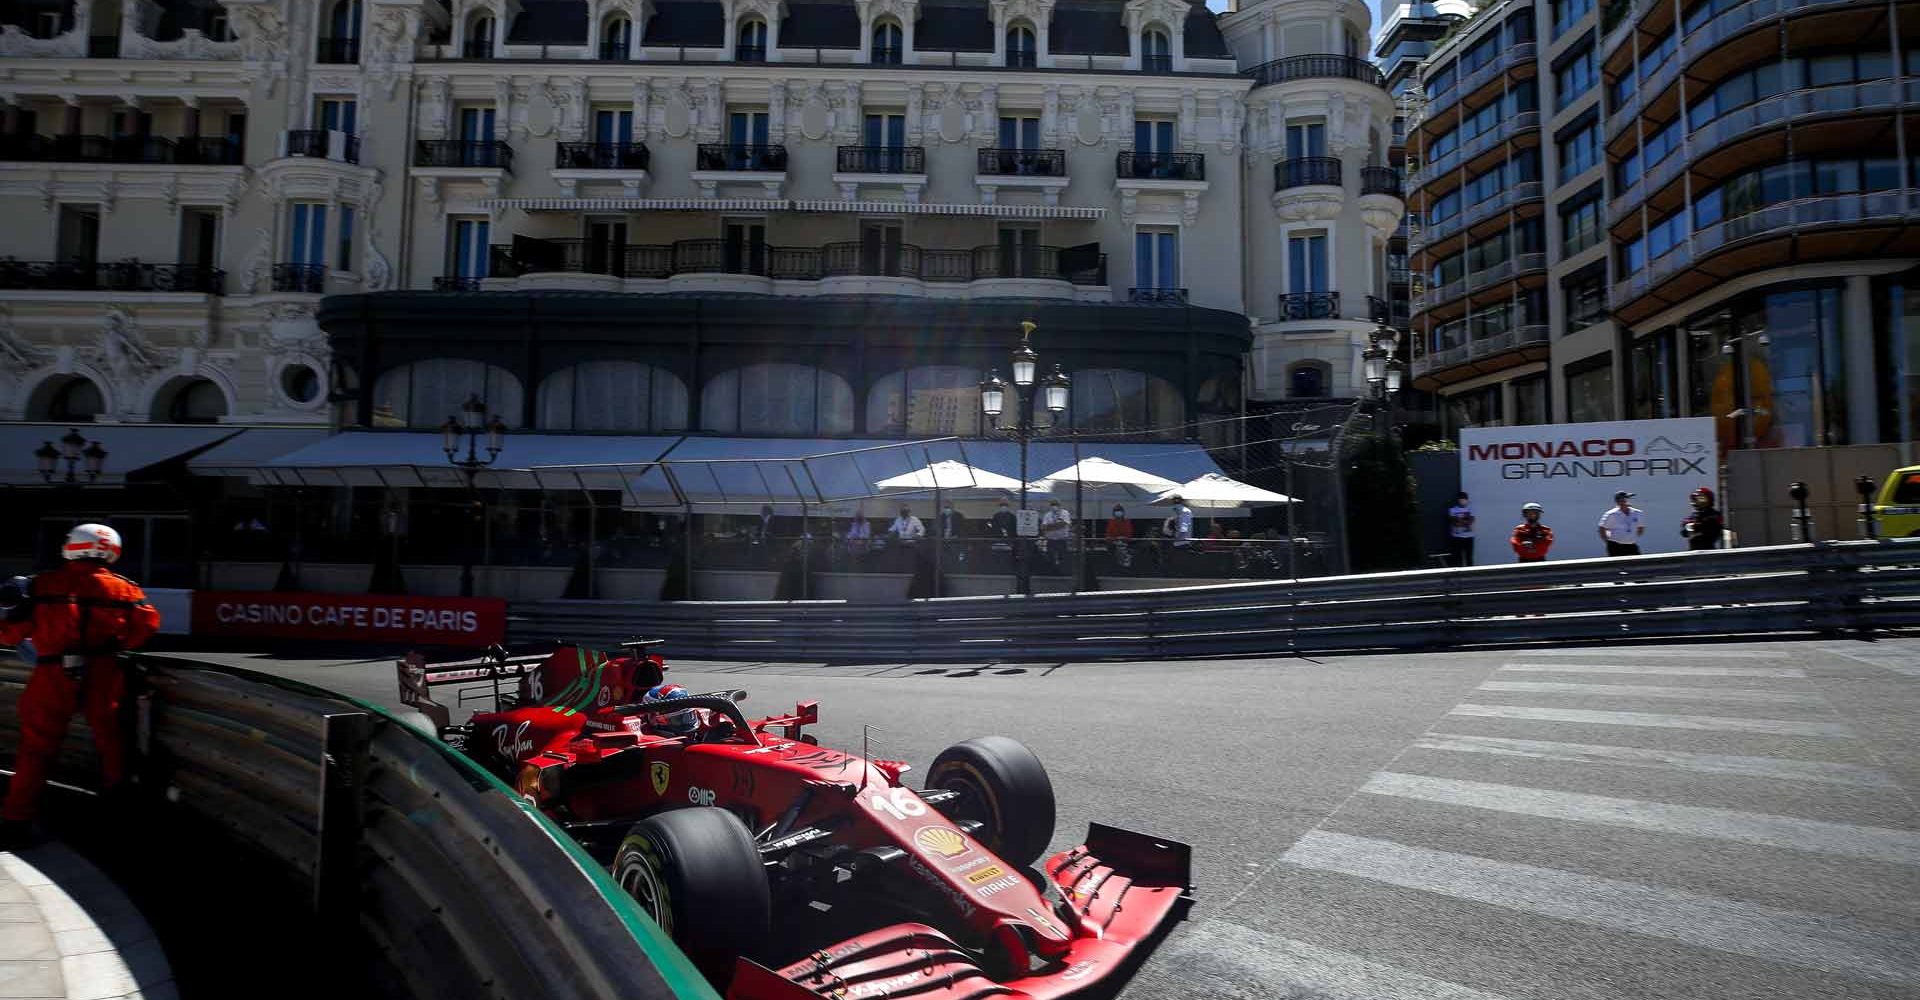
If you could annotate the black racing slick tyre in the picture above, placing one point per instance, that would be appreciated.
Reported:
(1001, 784)
(697, 873)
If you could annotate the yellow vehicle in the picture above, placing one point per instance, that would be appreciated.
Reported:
(1898, 505)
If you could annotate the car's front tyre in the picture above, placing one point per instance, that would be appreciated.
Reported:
(697, 873)
(1003, 786)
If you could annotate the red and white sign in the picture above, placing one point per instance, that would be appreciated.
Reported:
(440, 621)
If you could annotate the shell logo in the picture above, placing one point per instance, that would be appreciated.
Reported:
(947, 843)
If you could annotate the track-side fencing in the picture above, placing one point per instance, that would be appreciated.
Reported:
(1820, 587)
(463, 889)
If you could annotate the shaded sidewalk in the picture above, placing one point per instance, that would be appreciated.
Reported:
(66, 931)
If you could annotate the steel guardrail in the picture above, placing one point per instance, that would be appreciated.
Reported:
(1823, 587)
(462, 886)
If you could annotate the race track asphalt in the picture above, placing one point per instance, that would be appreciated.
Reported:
(1713, 820)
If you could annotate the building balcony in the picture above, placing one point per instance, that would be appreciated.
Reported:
(462, 154)
(750, 53)
(1486, 354)
(1806, 231)
(338, 51)
(625, 162)
(1042, 170)
(1317, 67)
(191, 45)
(887, 55)
(1307, 171)
(1440, 174)
(191, 151)
(1159, 62)
(1381, 180)
(119, 276)
(1746, 137)
(1519, 194)
(477, 48)
(881, 160)
(717, 163)
(1297, 306)
(835, 268)
(322, 144)
(1158, 296)
(1160, 166)
(612, 51)
(307, 278)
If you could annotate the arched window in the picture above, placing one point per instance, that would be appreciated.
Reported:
(751, 44)
(189, 401)
(889, 44)
(480, 37)
(616, 38)
(340, 43)
(425, 393)
(931, 399)
(1307, 380)
(1022, 50)
(1115, 399)
(1156, 50)
(777, 399)
(66, 399)
(613, 396)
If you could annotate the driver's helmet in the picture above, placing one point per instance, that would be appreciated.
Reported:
(681, 723)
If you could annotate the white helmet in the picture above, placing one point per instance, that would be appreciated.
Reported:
(92, 541)
(1531, 506)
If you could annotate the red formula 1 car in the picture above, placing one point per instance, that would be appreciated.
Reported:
(725, 828)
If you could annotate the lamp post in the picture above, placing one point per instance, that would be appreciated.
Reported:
(1384, 372)
(1055, 389)
(74, 450)
(472, 422)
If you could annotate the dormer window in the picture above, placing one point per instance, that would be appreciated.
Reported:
(616, 38)
(889, 44)
(1156, 51)
(1022, 51)
(480, 37)
(751, 45)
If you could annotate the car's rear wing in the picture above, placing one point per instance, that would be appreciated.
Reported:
(418, 678)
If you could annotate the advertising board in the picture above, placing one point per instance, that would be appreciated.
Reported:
(1573, 470)
(383, 618)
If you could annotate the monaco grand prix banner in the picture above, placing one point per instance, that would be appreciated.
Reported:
(1573, 470)
(381, 618)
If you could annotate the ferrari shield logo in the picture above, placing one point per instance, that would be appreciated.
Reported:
(660, 773)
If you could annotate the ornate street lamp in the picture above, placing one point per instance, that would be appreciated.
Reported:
(1055, 396)
(474, 423)
(77, 452)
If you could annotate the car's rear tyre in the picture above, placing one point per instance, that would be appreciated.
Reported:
(1001, 784)
(697, 873)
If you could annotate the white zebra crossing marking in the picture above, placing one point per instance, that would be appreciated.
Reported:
(1708, 763)
(1818, 941)
(1220, 959)
(1816, 836)
(1635, 668)
(1658, 692)
(1777, 727)
(1900, 658)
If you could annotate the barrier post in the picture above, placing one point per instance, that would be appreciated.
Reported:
(343, 779)
(1802, 518)
(1865, 487)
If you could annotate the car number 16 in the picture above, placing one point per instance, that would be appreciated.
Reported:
(899, 803)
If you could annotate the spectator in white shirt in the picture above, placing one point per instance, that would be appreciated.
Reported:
(906, 527)
(1622, 525)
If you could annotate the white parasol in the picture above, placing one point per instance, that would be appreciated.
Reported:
(1214, 491)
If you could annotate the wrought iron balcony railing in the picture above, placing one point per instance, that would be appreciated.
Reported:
(1303, 171)
(1157, 63)
(1381, 180)
(1140, 165)
(1083, 265)
(614, 50)
(769, 157)
(1023, 162)
(300, 278)
(477, 48)
(118, 276)
(1158, 296)
(750, 53)
(450, 283)
(462, 153)
(887, 55)
(1296, 306)
(1310, 67)
(601, 156)
(208, 150)
(881, 160)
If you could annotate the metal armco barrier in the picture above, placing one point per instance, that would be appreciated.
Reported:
(1824, 587)
(462, 887)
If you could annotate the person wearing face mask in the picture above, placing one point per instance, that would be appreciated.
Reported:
(1003, 522)
(1119, 532)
